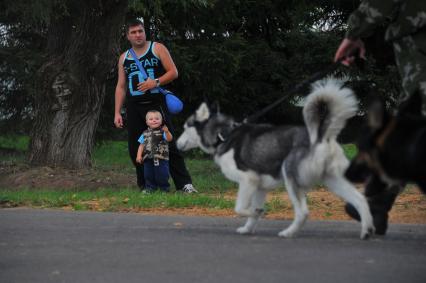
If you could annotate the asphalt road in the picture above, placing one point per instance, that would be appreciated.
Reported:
(59, 246)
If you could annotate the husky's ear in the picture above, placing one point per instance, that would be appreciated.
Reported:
(377, 115)
(202, 113)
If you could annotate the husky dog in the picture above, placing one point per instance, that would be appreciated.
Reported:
(259, 157)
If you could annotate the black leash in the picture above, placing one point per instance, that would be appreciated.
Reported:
(318, 75)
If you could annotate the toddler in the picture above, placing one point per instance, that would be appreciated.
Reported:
(153, 153)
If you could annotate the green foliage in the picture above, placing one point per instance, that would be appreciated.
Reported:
(115, 154)
(112, 155)
(18, 143)
(243, 54)
(246, 54)
(22, 40)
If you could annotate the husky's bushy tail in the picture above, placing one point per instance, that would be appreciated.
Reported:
(327, 108)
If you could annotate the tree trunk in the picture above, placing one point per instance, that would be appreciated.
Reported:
(82, 50)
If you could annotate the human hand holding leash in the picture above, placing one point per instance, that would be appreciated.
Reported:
(349, 50)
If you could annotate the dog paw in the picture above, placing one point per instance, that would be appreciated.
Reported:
(365, 235)
(244, 230)
(286, 234)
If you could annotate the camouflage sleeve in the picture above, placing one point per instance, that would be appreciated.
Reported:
(368, 16)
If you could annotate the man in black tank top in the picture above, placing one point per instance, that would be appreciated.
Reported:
(141, 96)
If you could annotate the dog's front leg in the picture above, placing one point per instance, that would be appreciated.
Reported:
(246, 189)
(257, 203)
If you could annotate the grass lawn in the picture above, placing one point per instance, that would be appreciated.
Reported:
(111, 163)
(111, 158)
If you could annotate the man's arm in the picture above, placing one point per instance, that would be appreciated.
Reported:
(169, 66)
(362, 23)
(120, 93)
(370, 13)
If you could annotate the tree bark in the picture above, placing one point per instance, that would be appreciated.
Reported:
(82, 51)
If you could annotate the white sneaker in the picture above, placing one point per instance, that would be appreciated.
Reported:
(189, 189)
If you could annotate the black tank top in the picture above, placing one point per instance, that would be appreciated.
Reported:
(154, 69)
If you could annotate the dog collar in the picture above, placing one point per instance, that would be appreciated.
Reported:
(220, 139)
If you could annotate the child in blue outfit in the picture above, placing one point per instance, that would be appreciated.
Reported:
(153, 152)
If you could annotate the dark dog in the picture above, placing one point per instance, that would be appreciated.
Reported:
(391, 154)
